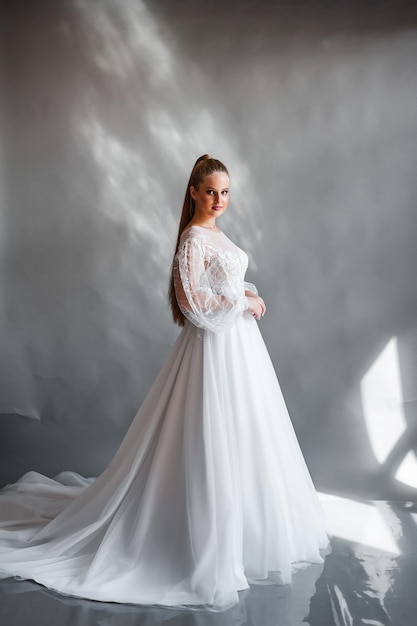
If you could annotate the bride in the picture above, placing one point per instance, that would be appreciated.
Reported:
(208, 491)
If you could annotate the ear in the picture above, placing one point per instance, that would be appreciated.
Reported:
(192, 192)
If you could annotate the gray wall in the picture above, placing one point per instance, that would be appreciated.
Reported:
(105, 107)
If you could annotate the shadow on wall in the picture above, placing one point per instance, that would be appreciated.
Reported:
(107, 106)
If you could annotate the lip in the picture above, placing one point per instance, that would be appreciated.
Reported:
(217, 208)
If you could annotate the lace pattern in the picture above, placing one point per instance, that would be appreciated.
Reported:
(209, 272)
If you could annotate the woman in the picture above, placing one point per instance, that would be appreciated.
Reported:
(209, 490)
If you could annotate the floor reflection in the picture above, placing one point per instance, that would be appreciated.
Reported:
(359, 584)
(22, 602)
(347, 592)
(362, 584)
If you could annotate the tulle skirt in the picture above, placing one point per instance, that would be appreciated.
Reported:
(207, 493)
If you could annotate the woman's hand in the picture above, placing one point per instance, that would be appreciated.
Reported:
(255, 305)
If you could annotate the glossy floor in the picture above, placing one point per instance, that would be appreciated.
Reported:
(368, 578)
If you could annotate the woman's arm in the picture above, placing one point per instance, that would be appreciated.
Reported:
(195, 295)
(255, 305)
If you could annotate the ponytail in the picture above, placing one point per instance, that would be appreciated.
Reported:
(204, 166)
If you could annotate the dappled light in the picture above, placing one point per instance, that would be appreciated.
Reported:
(129, 193)
(129, 46)
(126, 32)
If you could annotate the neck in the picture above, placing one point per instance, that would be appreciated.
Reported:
(211, 225)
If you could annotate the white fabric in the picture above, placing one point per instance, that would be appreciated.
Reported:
(207, 492)
(209, 279)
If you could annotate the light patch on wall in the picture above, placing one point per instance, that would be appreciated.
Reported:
(407, 472)
(382, 401)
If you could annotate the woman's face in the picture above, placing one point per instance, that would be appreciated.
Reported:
(211, 197)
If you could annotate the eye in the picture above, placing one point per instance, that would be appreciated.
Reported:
(225, 192)
(210, 192)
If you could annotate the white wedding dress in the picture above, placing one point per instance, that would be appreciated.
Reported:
(208, 491)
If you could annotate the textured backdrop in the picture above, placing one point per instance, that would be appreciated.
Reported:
(105, 107)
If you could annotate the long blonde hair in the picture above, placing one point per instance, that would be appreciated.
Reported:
(204, 166)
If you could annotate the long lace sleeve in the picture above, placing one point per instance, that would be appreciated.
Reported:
(251, 287)
(208, 285)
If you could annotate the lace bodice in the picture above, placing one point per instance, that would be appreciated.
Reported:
(209, 271)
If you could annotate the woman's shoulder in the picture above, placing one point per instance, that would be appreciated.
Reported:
(193, 230)
(190, 234)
